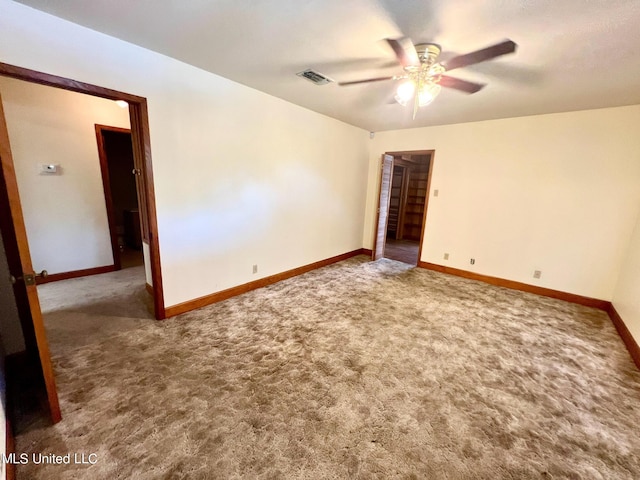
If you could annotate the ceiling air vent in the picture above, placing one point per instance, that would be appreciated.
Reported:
(314, 77)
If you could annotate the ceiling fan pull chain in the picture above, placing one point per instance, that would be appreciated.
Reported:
(416, 97)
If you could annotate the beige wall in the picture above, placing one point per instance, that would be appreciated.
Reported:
(626, 298)
(65, 214)
(241, 177)
(558, 193)
(244, 178)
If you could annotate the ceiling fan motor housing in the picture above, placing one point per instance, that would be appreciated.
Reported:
(428, 52)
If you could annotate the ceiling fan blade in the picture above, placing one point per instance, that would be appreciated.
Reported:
(462, 85)
(405, 51)
(478, 56)
(368, 80)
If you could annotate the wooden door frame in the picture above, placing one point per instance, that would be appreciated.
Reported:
(432, 154)
(106, 185)
(141, 142)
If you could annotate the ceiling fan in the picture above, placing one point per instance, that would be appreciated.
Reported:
(424, 75)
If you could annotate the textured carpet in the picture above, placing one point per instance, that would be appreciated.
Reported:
(357, 370)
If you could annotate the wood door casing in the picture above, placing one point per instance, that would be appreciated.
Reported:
(14, 235)
(384, 198)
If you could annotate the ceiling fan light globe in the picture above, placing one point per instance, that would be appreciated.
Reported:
(428, 93)
(436, 70)
(405, 92)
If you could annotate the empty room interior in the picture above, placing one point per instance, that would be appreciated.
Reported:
(368, 239)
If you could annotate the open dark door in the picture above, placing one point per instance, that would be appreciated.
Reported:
(16, 247)
(383, 207)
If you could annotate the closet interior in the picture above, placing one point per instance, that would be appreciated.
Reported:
(407, 202)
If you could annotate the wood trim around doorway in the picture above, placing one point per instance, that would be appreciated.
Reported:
(141, 140)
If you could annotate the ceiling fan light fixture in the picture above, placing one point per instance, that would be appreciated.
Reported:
(424, 76)
(405, 92)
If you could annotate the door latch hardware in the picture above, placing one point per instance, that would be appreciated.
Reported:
(30, 278)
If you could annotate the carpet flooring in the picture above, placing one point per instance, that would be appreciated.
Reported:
(357, 370)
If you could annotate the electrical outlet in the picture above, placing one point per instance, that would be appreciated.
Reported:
(473, 261)
(255, 269)
(537, 274)
(435, 193)
(446, 256)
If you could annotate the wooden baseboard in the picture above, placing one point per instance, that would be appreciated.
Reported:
(366, 251)
(524, 287)
(54, 277)
(625, 334)
(149, 289)
(247, 287)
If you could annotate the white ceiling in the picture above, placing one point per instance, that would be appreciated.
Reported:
(572, 55)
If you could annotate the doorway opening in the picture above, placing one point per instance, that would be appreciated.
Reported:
(42, 169)
(141, 144)
(115, 151)
(402, 207)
